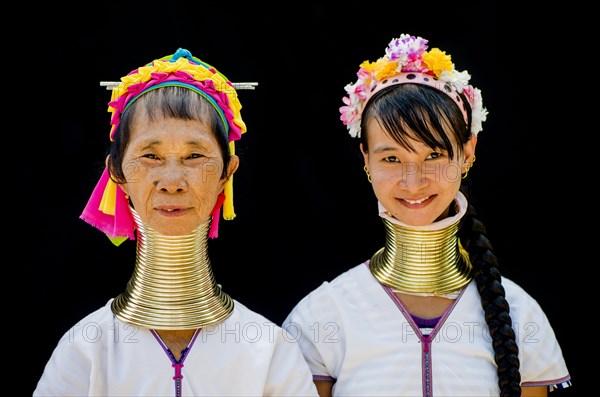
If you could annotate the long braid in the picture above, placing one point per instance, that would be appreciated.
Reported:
(493, 302)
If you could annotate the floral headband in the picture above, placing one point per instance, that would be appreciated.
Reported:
(407, 61)
(108, 207)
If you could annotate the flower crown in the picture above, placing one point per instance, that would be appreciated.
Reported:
(407, 60)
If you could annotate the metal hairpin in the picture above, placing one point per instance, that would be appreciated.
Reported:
(111, 85)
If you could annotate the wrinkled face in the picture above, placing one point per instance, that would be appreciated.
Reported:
(416, 187)
(173, 169)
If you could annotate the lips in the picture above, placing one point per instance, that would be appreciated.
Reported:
(417, 202)
(170, 211)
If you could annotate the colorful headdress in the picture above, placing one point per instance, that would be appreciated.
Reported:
(108, 207)
(407, 60)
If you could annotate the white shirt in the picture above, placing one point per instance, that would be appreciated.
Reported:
(246, 355)
(355, 331)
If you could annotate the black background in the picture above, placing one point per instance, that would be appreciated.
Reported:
(305, 210)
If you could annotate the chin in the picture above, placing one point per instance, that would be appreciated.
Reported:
(412, 221)
(172, 230)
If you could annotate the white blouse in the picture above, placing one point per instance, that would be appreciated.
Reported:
(354, 331)
(246, 355)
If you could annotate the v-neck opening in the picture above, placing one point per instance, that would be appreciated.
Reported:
(184, 352)
(409, 317)
(411, 320)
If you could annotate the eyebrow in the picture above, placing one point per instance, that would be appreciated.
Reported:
(157, 143)
(382, 149)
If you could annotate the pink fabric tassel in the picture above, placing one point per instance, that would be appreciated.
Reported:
(216, 215)
(121, 224)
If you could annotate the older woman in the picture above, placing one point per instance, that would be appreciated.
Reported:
(173, 331)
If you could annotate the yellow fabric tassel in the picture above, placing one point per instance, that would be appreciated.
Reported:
(228, 212)
(109, 198)
(117, 240)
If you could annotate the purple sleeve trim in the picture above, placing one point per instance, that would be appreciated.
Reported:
(553, 384)
(323, 378)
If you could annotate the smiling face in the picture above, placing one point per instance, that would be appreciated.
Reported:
(174, 172)
(415, 186)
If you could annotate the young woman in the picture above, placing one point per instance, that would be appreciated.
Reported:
(429, 314)
(173, 331)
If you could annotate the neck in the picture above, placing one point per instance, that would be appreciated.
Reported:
(172, 286)
(423, 260)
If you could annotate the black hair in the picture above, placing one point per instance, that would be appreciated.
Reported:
(166, 102)
(428, 115)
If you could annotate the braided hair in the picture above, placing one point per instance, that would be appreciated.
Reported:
(426, 114)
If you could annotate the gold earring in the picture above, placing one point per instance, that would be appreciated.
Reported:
(468, 168)
(368, 175)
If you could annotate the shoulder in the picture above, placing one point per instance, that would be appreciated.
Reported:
(98, 332)
(244, 315)
(527, 314)
(512, 287)
(520, 301)
(249, 335)
(345, 281)
(358, 272)
(246, 325)
(89, 338)
(329, 299)
(90, 327)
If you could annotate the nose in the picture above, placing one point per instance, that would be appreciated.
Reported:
(171, 178)
(413, 177)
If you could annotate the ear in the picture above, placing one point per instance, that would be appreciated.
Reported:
(365, 156)
(234, 163)
(469, 151)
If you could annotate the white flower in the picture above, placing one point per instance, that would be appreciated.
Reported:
(459, 80)
(478, 113)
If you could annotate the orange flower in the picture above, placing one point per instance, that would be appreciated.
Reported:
(437, 61)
